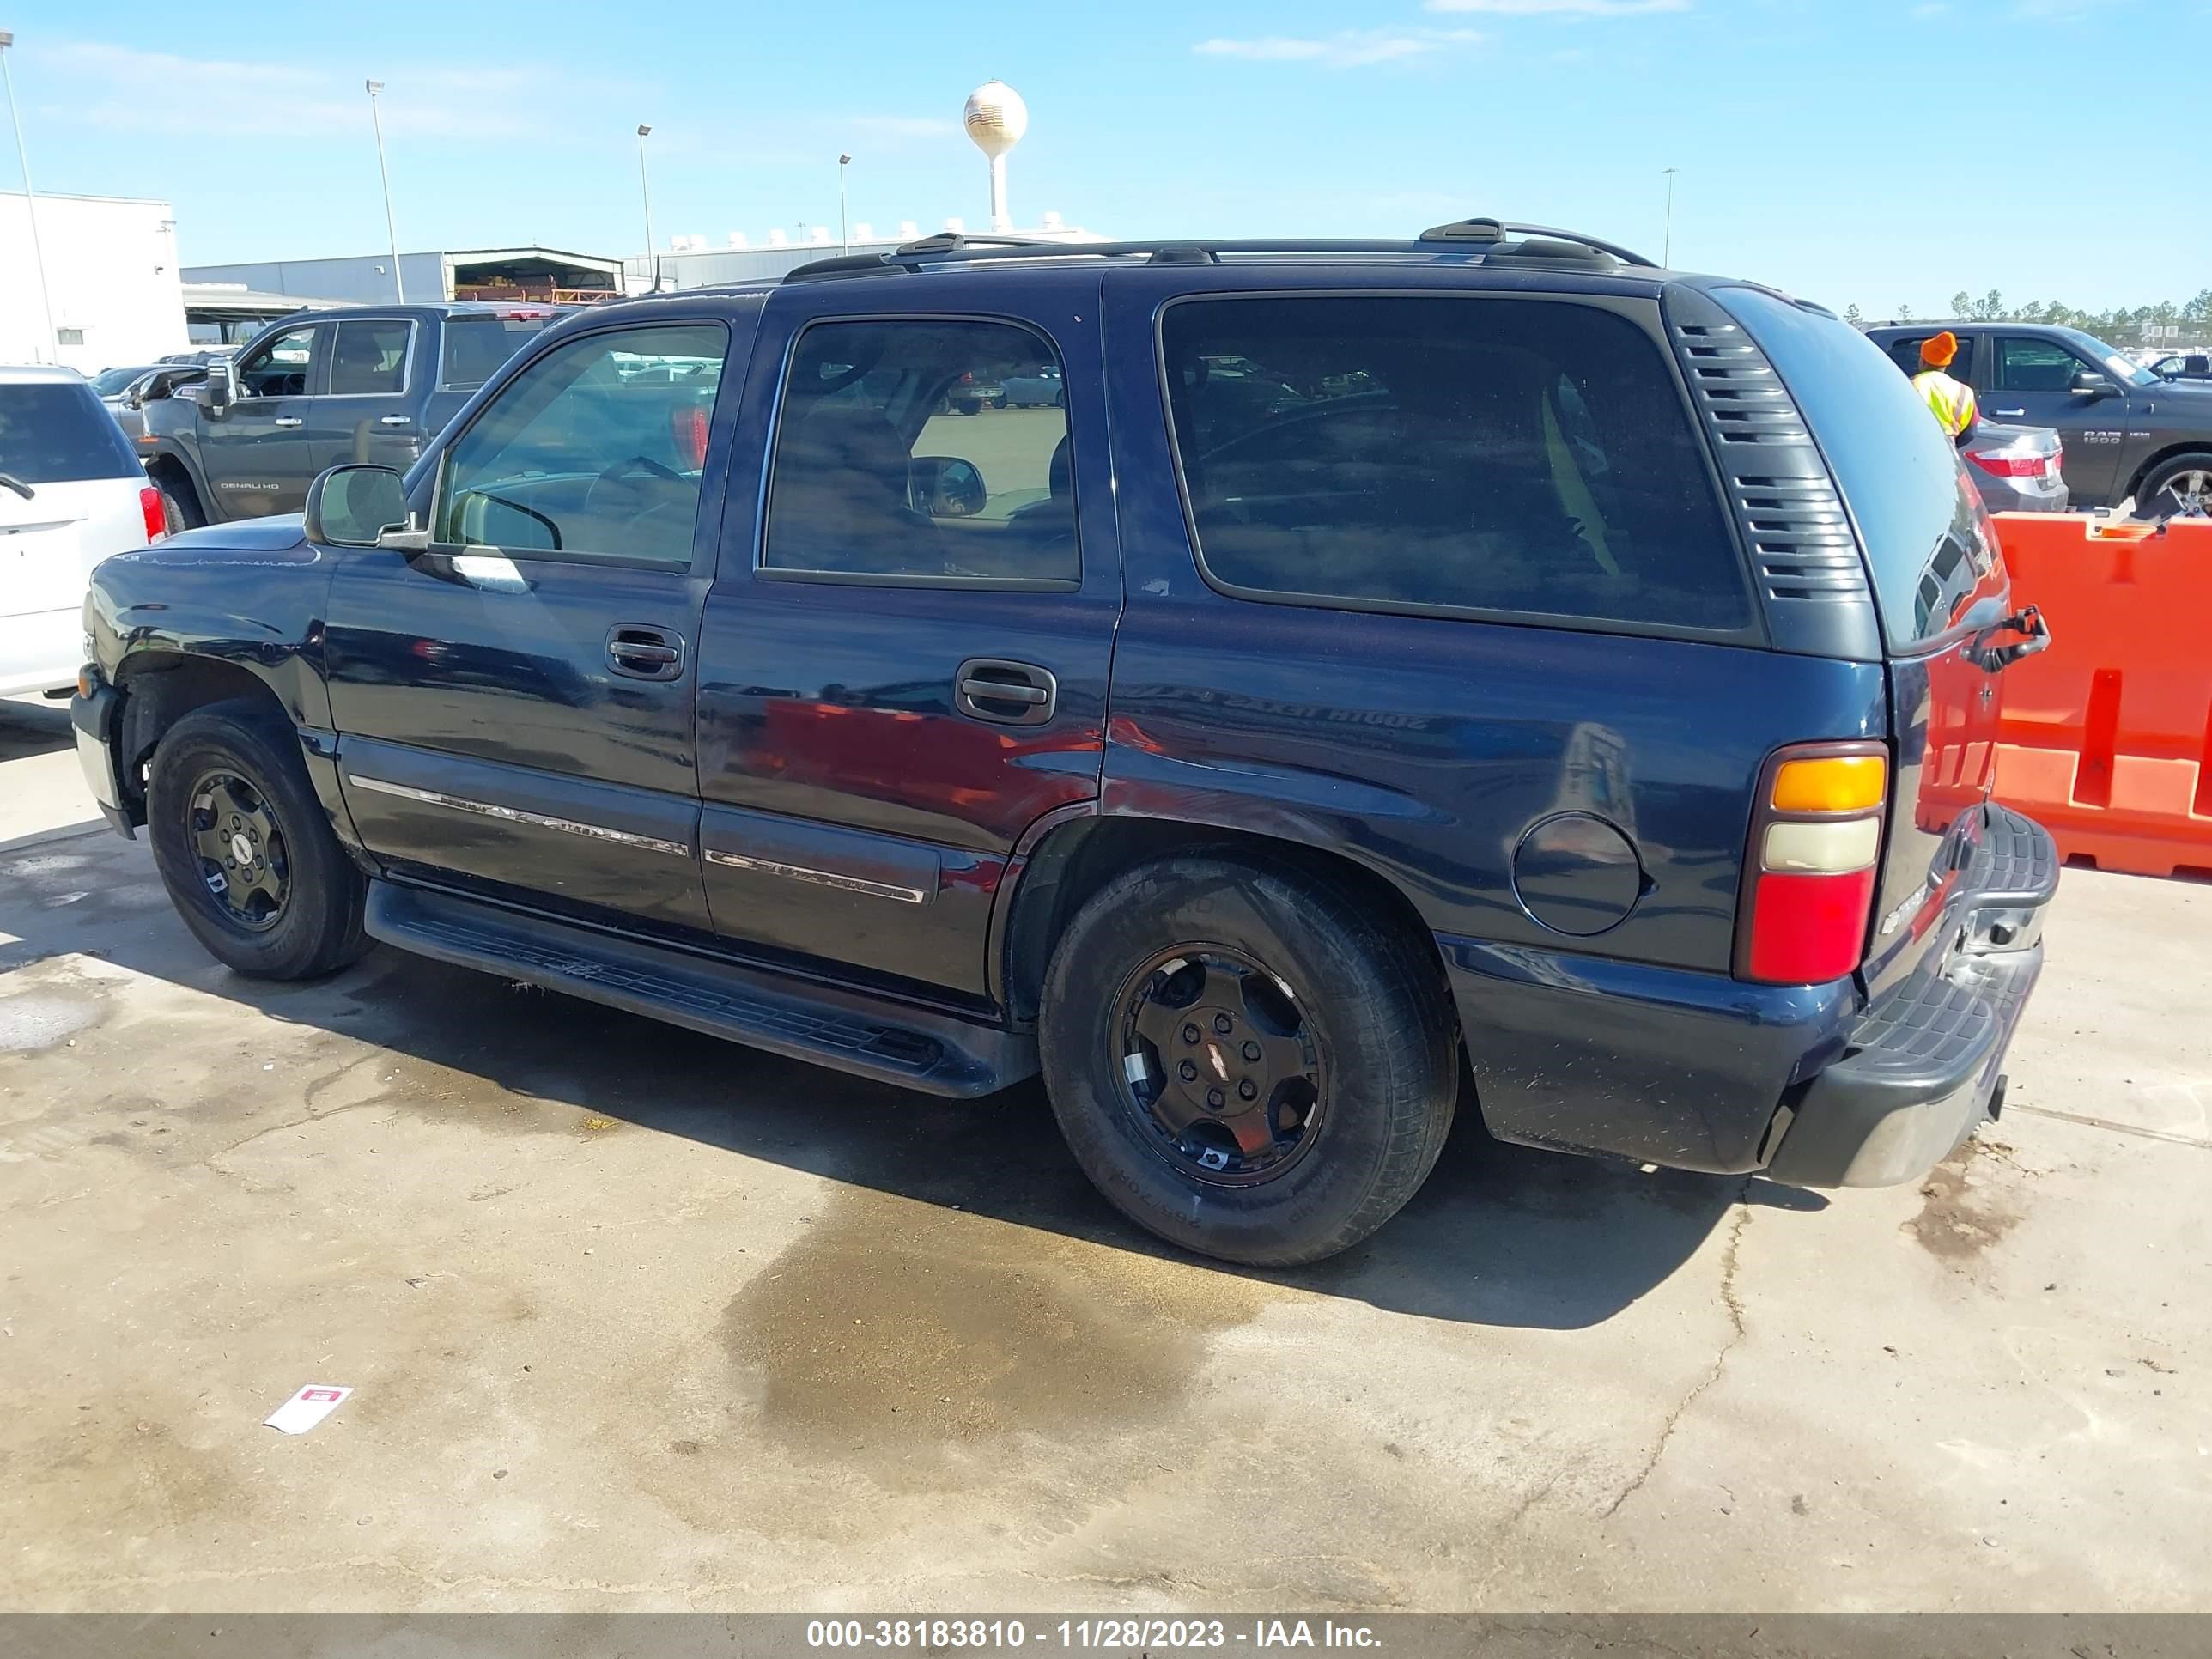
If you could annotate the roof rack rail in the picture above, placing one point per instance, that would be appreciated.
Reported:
(959, 241)
(1493, 240)
(1494, 231)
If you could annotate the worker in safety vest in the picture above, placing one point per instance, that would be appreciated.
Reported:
(1951, 401)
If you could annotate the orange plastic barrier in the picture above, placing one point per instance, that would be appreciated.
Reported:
(2106, 738)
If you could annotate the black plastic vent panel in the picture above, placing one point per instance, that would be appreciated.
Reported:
(1804, 551)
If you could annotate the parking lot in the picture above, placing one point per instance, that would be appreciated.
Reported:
(640, 1320)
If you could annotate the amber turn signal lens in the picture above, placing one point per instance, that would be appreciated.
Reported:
(1835, 783)
(84, 681)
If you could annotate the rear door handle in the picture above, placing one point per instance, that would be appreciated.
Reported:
(1005, 693)
(643, 652)
(2007, 414)
(392, 420)
(289, 420)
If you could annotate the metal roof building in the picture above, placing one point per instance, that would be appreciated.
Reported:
(539, 274)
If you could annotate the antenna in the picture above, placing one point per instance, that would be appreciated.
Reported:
(996, 118)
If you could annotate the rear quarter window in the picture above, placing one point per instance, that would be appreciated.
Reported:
(56, 432)
(1928, 539)
(1510, 458)
(476, 347)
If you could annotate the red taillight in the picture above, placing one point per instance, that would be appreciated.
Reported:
(2002, 465)
(688, 428)
(149, 509)
(1809, 870)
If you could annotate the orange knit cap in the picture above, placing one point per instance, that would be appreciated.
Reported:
(1938, 351)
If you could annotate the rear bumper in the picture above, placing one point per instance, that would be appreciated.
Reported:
(1924, 1065)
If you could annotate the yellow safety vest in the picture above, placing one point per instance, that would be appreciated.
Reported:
(1951, 401)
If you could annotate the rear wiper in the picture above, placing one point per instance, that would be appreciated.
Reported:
(16, 484)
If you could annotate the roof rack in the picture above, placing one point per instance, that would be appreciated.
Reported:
(1494, 240)
(1554, 245)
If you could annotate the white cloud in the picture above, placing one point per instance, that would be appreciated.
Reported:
(1346, 49)
(1928, 13)
(128, 89)
(1560, 7)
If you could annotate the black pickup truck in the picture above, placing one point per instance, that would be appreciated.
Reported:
(245, 439)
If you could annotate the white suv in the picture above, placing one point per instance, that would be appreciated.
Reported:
(71, 493)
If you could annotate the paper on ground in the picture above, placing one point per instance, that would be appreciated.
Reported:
(306, 1408)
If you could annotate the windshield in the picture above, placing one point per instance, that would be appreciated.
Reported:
(2123, 370)
(112, 382)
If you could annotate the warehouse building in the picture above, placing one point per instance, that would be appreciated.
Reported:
(110, 283)
(693, 262)
(539, 274)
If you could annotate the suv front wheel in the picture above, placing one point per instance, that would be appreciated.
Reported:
(1245, 1061)
(244, 848)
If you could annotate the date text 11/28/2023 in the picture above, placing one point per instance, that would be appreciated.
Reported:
(939, 1635)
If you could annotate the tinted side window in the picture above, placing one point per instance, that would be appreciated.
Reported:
(1905, 353)
(1487, 454)
(370, 357)
(1919, 517)
(53, 432)
(877, 474)
(593, 450)
(283, 366)
(477, 346)
(2024, 364)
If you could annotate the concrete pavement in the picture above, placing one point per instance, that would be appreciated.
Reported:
(639, 1319)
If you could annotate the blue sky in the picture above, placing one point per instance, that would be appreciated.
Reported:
(1815, 151)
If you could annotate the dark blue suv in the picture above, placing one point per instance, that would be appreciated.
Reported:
(1483, 668)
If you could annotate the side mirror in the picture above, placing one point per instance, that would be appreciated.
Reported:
(353, 506)
(220, 390)
(2087, 383)
(946, 487)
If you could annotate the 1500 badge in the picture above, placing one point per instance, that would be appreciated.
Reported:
(2100, 437)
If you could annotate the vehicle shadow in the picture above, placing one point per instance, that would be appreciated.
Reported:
(28, 729)
(1500, 1235)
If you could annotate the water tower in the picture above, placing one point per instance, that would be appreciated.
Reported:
(996, 118)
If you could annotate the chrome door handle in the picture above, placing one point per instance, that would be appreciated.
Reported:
(392, 420)
(2007, 414)
(289, 420)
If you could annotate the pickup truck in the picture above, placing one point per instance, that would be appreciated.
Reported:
(1474, 716)
(243, 439)
(2128, 433)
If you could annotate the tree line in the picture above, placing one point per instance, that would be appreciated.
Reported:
(2120, 325)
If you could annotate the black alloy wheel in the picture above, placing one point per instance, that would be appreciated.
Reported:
(244, 857)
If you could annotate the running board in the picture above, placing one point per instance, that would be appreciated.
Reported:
(913, 1048)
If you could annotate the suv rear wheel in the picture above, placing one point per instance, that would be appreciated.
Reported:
(1244, 1060)
(246, 850)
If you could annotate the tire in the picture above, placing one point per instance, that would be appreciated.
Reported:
(2182, 486)
(1060, 400)
(180, 506)
(1352, 1141)
(313, 925)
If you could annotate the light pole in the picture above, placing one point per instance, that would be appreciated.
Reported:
(1667, 246)
(390, 231)
(30, 199)
(645, 190)
(843, 162)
